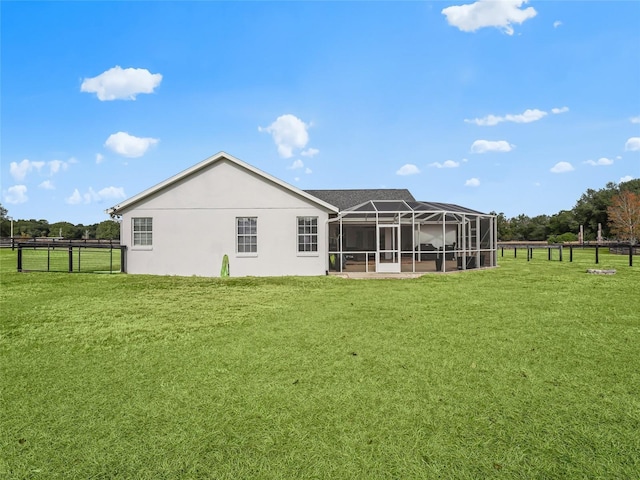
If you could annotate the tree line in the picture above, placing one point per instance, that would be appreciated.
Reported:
(593, 208)
(108, 229)
(616, 207)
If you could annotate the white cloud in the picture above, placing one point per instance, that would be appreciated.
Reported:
(308, 171)
(289, 133)
(528, 116)
(297, 179)
(626, 178)
(635, 119)
(99, 158)
(562, 167)
(556, 110)
(296, 165)
(310, 152)
(483, 146)
(446, 164)
(75, 198)
(16, 194)
(472, 182)
(121, 84)
(109, 193)
(600, 162)
(47, 185)
(91, 196)
(128, 145)
(20, 170)
(488, 13)
(408, 169)
(632, 144)
(57, 165)
(557, 23)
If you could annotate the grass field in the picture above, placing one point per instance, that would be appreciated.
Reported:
(531, 370)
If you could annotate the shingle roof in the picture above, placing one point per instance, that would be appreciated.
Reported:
(344, 199)
(447, 207)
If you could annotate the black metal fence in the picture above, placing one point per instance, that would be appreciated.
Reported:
(14, 241)
(563, 250)
(72, 257)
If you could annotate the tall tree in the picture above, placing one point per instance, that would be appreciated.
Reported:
(624, 216)
(108, 229)
(631, 186)
(563, 222)
(503, 226)
(591, 210)
(31, 228)
(64, 230)
(5, 225)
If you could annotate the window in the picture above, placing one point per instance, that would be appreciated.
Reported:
(307, 234)
(142, 231)
(247, 234)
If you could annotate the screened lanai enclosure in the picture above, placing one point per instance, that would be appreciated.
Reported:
(388, 236)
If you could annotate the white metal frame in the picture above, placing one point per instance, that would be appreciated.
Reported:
(473, 243)
(388, 259)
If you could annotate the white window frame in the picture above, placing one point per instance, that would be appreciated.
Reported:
(308, 237)
(247, 231)
(142, 233)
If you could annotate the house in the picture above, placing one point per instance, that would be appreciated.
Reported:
(223, 206)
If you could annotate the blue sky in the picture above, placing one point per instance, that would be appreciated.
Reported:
(505, 105)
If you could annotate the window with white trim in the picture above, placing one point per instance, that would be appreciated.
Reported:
(142, 231)
(247, 234)
(307, 234)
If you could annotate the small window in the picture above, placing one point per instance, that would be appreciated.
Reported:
(307, 234)
(143, 231)
(247, 234)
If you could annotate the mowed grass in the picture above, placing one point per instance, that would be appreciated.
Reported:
(531, 370)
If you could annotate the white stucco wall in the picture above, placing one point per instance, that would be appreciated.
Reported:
(194, 226)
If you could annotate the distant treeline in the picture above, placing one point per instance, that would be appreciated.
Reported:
(589, 211)
(109, 229)
(564, 226)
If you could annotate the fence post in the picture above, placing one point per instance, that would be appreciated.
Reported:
(549, 253)
(515, 252)
(597, 257)
(560, 252)
(503, 251)
(570, 253)
(630, 254)
(70, 259)
(48, 258)
(19, 258)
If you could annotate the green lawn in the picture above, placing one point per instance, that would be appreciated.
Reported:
(531, 370)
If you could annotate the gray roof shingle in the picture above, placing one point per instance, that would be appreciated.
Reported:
(344, 199)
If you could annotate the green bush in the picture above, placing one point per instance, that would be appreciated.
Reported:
(565, 237)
